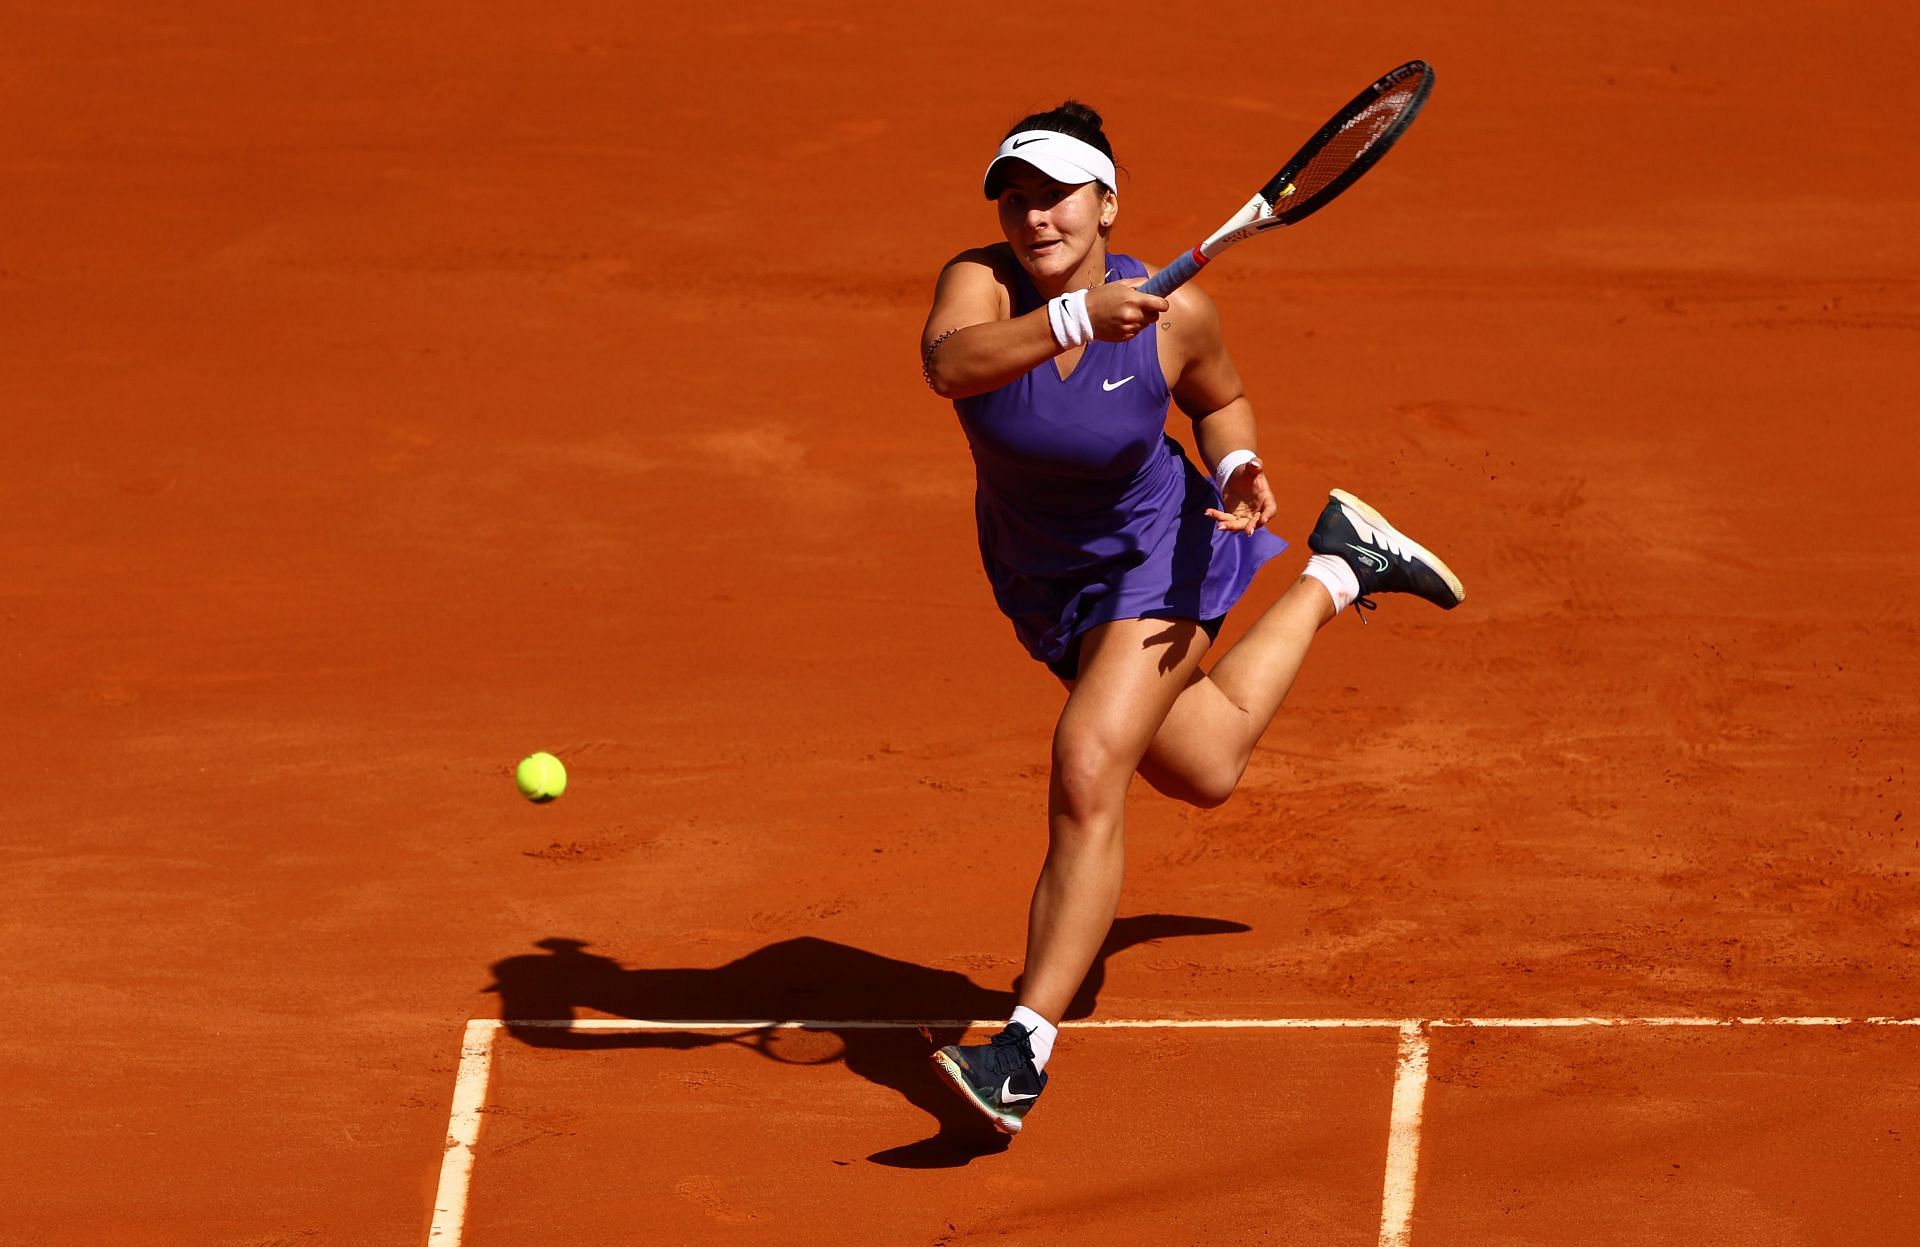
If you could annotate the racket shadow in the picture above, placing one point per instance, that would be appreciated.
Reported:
(798, 979)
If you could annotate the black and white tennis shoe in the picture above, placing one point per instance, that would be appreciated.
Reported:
(1382, 558)
(998, 1077)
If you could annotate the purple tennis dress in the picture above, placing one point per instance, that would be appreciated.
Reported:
(1088, 511)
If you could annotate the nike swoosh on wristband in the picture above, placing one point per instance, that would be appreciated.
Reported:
(1009, 1096)
(1110, 386)
(1023, 142)
(1374, 560)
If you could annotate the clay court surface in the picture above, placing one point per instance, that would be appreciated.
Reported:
(390, 392)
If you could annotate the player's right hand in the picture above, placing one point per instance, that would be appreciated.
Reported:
(1119, 309)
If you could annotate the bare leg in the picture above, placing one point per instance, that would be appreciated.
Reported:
(1131, 672)
(1207, 737)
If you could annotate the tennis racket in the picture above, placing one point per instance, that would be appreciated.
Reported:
(1333, 159)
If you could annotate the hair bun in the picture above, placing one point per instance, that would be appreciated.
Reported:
(1085, 112)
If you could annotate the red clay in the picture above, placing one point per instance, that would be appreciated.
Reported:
(1234, 1138)
(1649, 1137)
(392, 394)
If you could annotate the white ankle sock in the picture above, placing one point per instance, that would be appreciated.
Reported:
(1040, 1033)
(1342, 585)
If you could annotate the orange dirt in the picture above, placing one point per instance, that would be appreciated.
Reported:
(393, 392)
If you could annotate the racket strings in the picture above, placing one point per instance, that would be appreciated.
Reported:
(1349, 144)
(1382, 118)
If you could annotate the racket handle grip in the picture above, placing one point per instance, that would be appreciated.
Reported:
(1175, 275)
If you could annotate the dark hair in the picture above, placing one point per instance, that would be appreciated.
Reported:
(1071, 118)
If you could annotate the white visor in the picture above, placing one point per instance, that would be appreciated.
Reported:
(1060, 156)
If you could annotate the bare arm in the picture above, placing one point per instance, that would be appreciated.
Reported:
(971, 343)
(1210, 392)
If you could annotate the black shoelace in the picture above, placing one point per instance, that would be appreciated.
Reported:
(1014, 1037)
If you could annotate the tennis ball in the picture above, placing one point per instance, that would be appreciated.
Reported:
(541, 777)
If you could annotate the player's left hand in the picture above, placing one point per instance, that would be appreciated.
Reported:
(1247, 502)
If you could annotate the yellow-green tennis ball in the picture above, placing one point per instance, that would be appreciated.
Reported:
(541, 777)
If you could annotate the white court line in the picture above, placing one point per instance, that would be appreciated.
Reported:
(867, 1024)
(1403, 1137)
(653, 1024)
(1409, 1083)
(1675, 1021)
(463, 1131)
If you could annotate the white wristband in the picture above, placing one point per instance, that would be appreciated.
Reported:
(1055, 319)
(1077, 304)
(1068, 317)
(1230, 463)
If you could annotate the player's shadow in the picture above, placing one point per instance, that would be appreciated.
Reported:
(805, 979)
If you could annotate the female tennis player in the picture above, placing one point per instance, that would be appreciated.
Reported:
(1114, 558)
